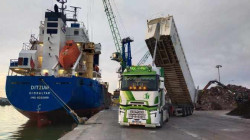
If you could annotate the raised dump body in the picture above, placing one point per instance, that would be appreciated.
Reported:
(170, 56)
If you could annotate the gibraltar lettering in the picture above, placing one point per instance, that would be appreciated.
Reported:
(39, 92)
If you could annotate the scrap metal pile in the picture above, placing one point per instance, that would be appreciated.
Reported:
(219, 98)
(242, 110)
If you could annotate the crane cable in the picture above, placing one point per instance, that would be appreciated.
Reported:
(120, 21)
(90, 17)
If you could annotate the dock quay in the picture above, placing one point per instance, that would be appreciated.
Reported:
(201, 125)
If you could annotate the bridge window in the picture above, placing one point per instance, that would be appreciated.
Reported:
(51, 31)
(25, 61)
(52, 24)
(76, 32)
(52, 18)
(20, 61)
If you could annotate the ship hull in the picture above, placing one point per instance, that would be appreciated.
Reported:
(37, 101)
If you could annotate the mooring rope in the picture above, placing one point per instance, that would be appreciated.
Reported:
(64, 105)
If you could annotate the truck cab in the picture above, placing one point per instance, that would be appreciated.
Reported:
(142, 97)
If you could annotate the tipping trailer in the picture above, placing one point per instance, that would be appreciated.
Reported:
(164, 44)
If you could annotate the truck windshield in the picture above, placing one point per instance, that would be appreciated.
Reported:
(139, 83)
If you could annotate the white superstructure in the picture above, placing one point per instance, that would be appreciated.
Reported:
(41, 55)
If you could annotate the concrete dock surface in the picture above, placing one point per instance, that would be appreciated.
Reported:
(202, 125)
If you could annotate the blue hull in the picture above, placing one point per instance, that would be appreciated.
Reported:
(31, 97)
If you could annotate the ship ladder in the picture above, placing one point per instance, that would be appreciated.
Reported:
(70, 111)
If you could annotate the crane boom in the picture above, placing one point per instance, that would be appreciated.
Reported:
(113, 25)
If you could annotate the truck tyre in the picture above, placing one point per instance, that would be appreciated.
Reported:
(192, 110)
(189, 111)
(184, 112)
(168, 116)
(161, 120)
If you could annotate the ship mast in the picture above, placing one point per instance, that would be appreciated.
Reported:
(62, 5)
(75, 12)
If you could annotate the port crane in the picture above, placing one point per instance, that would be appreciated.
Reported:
(144, 58)
(123, 46)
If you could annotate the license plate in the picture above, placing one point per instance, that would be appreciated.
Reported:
(136, 121)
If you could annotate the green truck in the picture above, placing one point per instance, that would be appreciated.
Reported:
(142, 97)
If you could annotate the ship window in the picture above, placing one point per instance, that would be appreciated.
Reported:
(52, 24)
(76, 32)
(25, 61)
(52, 19)
(51, 31)
(20, 61)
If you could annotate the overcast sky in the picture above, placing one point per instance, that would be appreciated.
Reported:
(212, 32)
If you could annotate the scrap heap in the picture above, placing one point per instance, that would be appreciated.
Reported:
(216, 98)
(220, 98)
(242, 110)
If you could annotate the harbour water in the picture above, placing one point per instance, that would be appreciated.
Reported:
(13, 125)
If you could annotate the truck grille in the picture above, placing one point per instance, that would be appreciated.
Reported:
(137, 103)
(137, 114)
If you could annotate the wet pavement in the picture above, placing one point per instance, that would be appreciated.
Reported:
(205, 125)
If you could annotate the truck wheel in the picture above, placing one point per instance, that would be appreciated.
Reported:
(192, 110)
(161, 120)
(184, 112)
(168, 116)
(189, 111)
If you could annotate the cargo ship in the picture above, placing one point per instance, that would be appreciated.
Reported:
(57, 72)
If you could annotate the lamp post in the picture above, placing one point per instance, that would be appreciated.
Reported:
(218, 67)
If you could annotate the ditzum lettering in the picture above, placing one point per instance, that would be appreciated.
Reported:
(39, 87)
